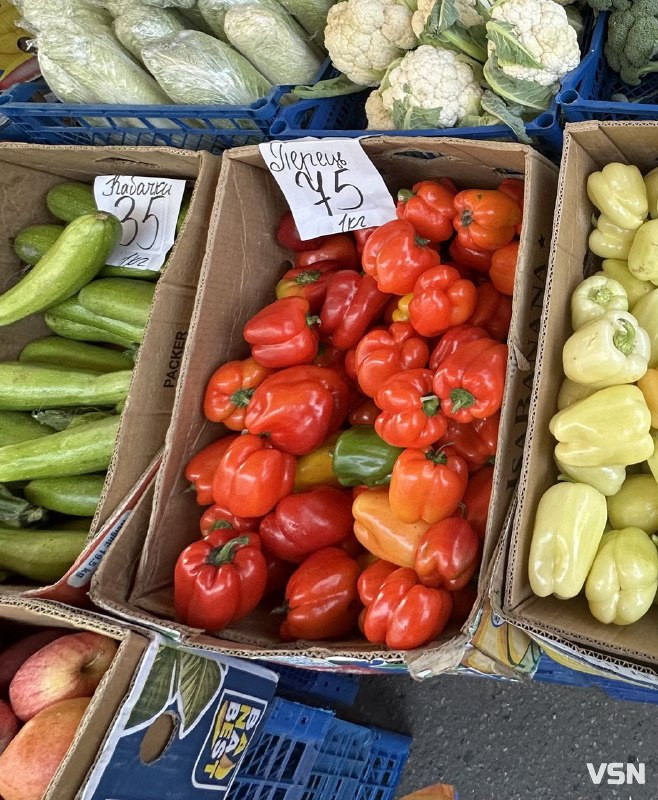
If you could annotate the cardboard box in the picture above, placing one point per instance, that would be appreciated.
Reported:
(588, 147)
(27, 172)
(247, 209)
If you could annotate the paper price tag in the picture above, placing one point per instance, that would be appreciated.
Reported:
(330, 184)
(148, 209)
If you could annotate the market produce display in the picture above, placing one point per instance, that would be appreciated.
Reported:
(350, 488)
(60, 401)
(596, 529)
(47, 679)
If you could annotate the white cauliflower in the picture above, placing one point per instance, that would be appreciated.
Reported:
(430, 79)
(364, 36)
(378, 117)
(468, 15)
(542, 27)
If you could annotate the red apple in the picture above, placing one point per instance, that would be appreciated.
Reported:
(28, 764)
(71, 666)
(8, 725)
(13, 656)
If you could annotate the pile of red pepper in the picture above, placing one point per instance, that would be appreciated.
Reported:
(358, 478)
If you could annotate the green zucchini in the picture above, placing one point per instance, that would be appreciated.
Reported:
(110, 271)
(73, 524)
(122, 299)
(82, 333)
(16, 512)
(78, 496)
(74, 311)
(17, 426)
(32, 243)
(72, 262)
(59, 419)
(68, 201)
(25, 386)
(79, 451)
(75, 355)
(38, 555)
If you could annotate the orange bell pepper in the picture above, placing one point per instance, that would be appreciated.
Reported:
(229, 391)
(486, 218)
(381, 532)
(503, 268)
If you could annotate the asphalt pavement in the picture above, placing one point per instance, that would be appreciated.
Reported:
(496, 740)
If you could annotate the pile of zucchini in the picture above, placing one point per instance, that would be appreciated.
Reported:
(60, 403)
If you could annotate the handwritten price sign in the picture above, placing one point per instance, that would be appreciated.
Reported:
(331, 185)
(148, 209)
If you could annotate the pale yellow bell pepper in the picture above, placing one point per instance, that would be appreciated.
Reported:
(593, 297)
(618, 271)
(610, 241)
(635, 505)
(643, 254)
(571, 392)
(652, 461)
(646, 313)
(622, 583)
(608, 351)
(651, 185)
(609, 427)
(608, 479)
(618, 191)
(648, 385)
(568, 528)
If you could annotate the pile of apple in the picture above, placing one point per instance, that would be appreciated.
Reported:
(46, 682)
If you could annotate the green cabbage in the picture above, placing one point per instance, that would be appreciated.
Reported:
(214, 12)
(37, 15)
(274, 43)
(142, 26)
(196, 69)
(170, 3)
(311, 14)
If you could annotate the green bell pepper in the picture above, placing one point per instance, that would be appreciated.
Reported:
(362, 458)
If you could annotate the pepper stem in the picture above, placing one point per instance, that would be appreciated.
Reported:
(421, 242)
(312, 320)
(467, 218)
(226, 553)
(221, 525)
(601, 295)
(461, 398)
(241, 397)
(308, 276)
(405, 195)
(624, 340)
(436, 456)
(431, 405)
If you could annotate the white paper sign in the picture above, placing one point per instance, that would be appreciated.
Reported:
(148, 209)
(330, 184)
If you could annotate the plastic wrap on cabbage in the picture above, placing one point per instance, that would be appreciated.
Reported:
(195, 19)
(63, 85)
(37, 15)
(170, 3)
(214, 12)
(142, 26)
(197, 69)
(312, 14)
(274, 43)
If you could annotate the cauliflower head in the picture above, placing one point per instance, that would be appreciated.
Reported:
(363, 37)
(378, 117)
(430, 79)
(468, 15)
(542, 27)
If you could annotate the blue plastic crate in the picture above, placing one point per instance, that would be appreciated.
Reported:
(588, 97)
(308, 754)
(549, 671)
(213, 128)
(316, 685)
(345, 116)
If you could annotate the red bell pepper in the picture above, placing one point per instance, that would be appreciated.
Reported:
(493, 312)
(352, 303)
(411, 415)
(364, 414)
(361, 237)
(308, 521)
(278, 573)
(298, 408)
(200, 470)
(448, 555)
(308, 282)
(383, 353)
(430, 208)
(338, 247)
(396, 257)
(514, 188)
(476, 500)
(283, 334)
(503, 268)
(463, 601)
(486, 219)
(476, 442)
(405, 615)
(470, 383)
(287, 236)
(252, 477)
(229, 391)
(372, 577)
(321, 597)
(441, 299)
(427, 485)
(218, 518)
(452, 340)
(219, 579)
(477, 260)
